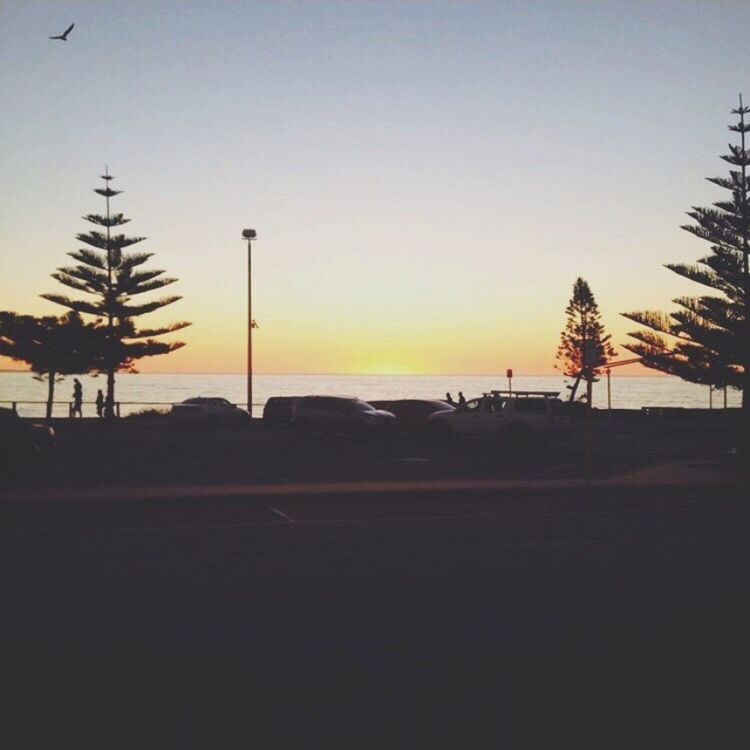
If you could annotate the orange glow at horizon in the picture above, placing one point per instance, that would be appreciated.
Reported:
(315, 337)
(291, 350)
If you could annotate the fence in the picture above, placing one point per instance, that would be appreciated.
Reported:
(61, 410)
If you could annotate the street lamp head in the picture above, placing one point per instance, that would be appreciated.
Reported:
(249, 234)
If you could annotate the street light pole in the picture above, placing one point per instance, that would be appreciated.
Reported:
(249, 235)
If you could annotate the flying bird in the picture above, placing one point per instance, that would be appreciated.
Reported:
(64, 35)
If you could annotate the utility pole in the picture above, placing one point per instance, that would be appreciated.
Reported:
(249, 235)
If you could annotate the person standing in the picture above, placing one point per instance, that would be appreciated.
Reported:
(461, 399)
(449, 398)
(99, 403)
(77, 398)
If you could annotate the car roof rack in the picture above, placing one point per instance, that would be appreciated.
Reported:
(331, 395)
(507, 394)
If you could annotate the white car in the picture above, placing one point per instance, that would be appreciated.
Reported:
(518, 417)
(213, 411)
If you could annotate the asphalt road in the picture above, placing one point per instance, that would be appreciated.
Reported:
(477, 599)
(425, 587)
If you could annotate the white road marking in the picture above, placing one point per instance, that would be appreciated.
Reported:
(280, 513)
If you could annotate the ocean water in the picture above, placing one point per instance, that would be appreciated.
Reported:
(140, 391)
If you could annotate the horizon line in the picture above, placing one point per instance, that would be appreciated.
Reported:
(335, 374)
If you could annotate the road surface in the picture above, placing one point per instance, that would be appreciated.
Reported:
(476, 593)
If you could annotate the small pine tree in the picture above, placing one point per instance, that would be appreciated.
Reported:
(707, 340)
(584, 347)
(52, 347)
(113, 277)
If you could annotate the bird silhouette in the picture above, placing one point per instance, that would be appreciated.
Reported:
(64, 35)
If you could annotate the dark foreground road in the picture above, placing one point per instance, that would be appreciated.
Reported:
(429, 608)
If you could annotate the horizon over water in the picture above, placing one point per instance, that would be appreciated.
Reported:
(141, 390)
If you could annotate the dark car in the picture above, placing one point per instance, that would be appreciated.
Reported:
(279, 411)
(24, 446)
(412, 413)
(340, 414)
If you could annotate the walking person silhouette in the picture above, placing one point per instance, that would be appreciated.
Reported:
(77, 398)
(99, 403)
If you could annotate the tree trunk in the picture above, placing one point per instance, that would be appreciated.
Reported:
(109, 404)
(574, 388)
(50, 393)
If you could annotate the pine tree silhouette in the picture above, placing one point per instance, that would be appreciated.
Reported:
(583, 331)
(707, 339)
(113, 278)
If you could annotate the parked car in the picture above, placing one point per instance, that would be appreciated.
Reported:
(210, 412)
(279, 411)
(344, 414)
(518, 417)
(24, 445)
(412, 413)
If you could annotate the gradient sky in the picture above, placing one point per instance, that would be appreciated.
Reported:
(427, 179)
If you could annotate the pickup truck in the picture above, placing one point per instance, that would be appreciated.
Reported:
(517, 417)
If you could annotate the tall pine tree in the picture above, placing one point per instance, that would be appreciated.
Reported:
(112, 278)
(707, 339)
(584, 347)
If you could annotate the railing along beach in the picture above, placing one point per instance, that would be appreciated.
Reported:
(122, 408)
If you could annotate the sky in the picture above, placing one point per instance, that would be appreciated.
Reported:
(427, 179)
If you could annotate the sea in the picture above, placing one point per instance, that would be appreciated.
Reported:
(136, 392)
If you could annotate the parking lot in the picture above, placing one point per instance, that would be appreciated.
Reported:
(134, 452)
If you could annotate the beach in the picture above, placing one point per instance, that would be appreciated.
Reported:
(136, 392)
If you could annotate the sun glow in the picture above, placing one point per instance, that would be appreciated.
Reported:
(386, 368)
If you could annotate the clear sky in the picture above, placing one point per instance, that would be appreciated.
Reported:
(427, 179)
